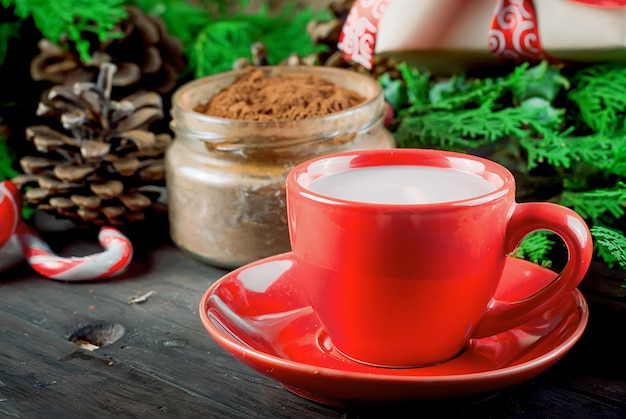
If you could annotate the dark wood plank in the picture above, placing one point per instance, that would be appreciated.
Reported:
(44, 375)
(164, 337)
(606, 287)
(588, 383)
(166, 363)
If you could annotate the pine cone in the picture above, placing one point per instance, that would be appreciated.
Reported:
(107, 168)
(327, 33)
(146, 55)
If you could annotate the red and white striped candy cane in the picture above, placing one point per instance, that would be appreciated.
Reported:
(9, 211)
(117, 254)
(114, 259)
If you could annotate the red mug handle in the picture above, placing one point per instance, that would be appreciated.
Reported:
(526, 218)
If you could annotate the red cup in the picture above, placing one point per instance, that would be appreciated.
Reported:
(406, 282)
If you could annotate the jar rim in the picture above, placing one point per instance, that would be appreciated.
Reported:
(296, 69)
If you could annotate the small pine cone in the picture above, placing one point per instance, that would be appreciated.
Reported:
(146, 55)
(327, 33)
(102, 166)
(341, 8)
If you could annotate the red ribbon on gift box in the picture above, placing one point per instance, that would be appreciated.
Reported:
(513, 34)
(358, 34)
(603, 3)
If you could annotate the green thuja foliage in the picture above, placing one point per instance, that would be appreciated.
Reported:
(225, 39)
(72, 19)
(459, 113)
(186, 19)
(215, 33)
(562, 133)
(8, 30)
(599, 96)
(600, 205)
(611, 245)
(6, 161)
(534, 248)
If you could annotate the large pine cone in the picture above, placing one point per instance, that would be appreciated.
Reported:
(146, 55)
(107, 168)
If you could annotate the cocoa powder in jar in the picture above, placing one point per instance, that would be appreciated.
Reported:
(226, 176)
(256, 96)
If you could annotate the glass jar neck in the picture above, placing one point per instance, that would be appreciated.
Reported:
(289, 138)
(280, 138)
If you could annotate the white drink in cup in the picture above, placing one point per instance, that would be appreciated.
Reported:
(400, 252)
(402, 185)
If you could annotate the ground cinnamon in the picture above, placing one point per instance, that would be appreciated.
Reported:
(256, 96)
(226, 177)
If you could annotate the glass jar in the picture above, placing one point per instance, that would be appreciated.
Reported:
(226, 178)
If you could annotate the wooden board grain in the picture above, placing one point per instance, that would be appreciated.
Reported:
(47, 376)
(165, 349)
(166, 364)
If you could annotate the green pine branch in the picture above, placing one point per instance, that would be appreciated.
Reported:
(535, 248)
(460, 129)
(610, 245)
(417, 86)
(8, 30)
(185, 19)
(547, 147)
(596, 204)
(7, 158)
(456, 93)
(599, 95)
(605, 153)
(470, 128)
(225, 39)
(59, 18)
(541, 123)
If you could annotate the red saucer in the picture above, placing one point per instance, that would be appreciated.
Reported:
(259, 316)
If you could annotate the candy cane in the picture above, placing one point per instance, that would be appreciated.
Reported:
(113, 260)
(9, 212)
(117, 254)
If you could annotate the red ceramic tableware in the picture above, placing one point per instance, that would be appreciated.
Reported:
(261, 316)
(400, 252)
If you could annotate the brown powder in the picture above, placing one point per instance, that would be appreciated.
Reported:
(258, 97)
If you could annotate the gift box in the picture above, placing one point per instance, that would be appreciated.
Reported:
(451, 36)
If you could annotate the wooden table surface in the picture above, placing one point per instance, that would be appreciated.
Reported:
(166, 365)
